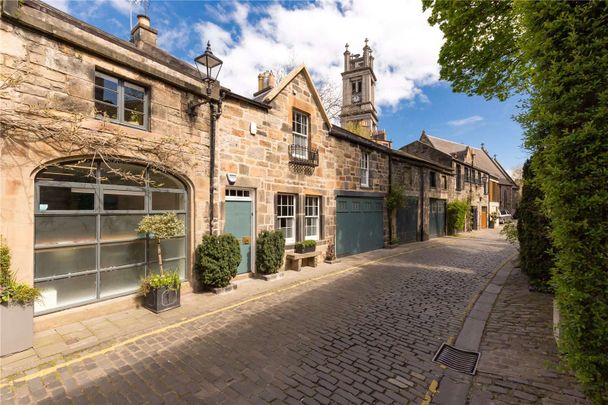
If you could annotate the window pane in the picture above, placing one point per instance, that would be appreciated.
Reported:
(121, 281)
(106, 81)
(106, 110)
(107, 96)
(162, 180)
(170, 248)
(65, 260)
(84, 172)
(123, 174)
(134, 90)
(67, 291)
(134, 117)
(168, 201)
(119, 227)
(66, 198)
(178, 265)
(123, 253)
(115, 200)
(65, 229)
(134, 104)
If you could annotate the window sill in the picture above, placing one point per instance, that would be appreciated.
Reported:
(124, 124)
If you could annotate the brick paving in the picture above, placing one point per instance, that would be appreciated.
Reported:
(519, 361)
(365, 336)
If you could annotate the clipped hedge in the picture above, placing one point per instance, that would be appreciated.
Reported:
(269, 252)
(457, 215)
(218, 258)
(533, 227)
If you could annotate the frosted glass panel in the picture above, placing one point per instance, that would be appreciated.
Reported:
(122, 254)
(66, 292)
(171, 265)
(119, 227)
(65, 229)
(65, 260)
(168, 201)
(114, 282)
(123, 201)
(170, 248)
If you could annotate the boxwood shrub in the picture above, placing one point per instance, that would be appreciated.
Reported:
(218, 258)
(457, 215)
(269, 252)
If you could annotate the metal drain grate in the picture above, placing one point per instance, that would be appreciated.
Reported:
(456, 359)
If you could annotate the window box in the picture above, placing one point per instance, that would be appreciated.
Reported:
(306, 246)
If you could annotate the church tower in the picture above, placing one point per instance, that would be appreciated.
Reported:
(358, 93)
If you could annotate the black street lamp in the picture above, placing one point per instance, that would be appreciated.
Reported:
(209, 67)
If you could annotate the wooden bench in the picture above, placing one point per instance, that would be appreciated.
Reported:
(295, 261)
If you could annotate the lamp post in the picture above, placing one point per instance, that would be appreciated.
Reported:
(209, 67)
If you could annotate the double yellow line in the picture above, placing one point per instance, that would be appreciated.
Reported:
(52, 369)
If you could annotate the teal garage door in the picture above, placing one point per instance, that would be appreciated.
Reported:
(359, 224)
(437, 218)
(407, 220)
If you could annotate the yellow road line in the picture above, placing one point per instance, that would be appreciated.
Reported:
(52, 369)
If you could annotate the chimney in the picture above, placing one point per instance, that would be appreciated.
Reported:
(266, 81)
(142, 34)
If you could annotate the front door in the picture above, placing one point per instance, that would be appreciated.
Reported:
(436, 218)
(407, 220)
(484, 217)
(239, 216)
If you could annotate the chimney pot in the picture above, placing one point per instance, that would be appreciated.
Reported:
(266, 80)
(143, 20)
(143, 34)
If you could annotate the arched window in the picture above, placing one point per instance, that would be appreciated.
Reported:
(86, 247)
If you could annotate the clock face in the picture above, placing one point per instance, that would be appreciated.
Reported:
(356, 98)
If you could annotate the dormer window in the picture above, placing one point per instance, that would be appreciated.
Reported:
(121, 101)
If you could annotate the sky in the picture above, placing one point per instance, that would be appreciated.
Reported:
(254, 36)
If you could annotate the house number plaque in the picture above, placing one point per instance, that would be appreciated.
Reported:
(246, 240)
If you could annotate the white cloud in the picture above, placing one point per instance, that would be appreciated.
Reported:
(405, 47)
(465, 121)
(59, 4)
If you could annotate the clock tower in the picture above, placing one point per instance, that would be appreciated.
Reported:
(358, 93)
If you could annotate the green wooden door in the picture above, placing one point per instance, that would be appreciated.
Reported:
(407, 220)
(437, 218)
(238, 222)
(359, 224)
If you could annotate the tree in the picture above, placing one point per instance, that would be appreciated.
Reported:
(160, 227)
(556, 54)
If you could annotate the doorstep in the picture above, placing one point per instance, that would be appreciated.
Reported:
(69, 334)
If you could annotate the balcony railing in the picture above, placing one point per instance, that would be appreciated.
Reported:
(303, 155)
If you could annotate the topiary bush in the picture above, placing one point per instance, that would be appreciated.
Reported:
(457, 216)
(533, 227)
(217, 259)
(269, 252)
(12, 291)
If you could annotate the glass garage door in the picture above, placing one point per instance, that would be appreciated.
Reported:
(86, 247)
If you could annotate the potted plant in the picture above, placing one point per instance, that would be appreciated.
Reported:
(306, 246)
(161, 291)
(493, 217)
(217, 260)
(269, 253)
(394, 242)
(16, 308)
(330, 254)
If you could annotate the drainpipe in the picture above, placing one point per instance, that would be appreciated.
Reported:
(390, 187)
(421, 203)
(214, 117)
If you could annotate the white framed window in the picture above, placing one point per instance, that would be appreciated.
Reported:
(311, 218)
(286, 217)
(365, 169)
(300, 134)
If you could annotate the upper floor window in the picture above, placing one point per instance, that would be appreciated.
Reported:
(433, 179)
(458, 177)
(467, 178)
(364, 172)
(444, 182)
(121, 101)
(300, 127)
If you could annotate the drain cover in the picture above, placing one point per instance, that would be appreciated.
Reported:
(456, 359)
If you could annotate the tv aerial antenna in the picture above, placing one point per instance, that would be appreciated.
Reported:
(141, 5)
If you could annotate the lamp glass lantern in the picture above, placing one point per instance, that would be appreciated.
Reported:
(208, 66)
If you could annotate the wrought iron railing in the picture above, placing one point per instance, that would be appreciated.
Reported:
(303, 155)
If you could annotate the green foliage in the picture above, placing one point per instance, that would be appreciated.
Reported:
(10, 290)
(394, 240)
(269, 252)
(162, 226)
(533, 228)
(509, 231)
(493, 216)
(169, 280)
(457, 215)
(395, 198)
(306, 243)
(217, 259)
(558, 49)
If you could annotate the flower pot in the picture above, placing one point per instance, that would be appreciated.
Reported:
(305, 249)
(162, 299)
(16, 328)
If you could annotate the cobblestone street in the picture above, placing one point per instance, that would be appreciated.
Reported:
(366, 335)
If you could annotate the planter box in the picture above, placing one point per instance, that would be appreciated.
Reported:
(224, 290)
(162, 299)
(270, 277)
(16, 328)
(305, 249)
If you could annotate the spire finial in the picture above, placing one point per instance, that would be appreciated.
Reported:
(208, 46)
(346, 46)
